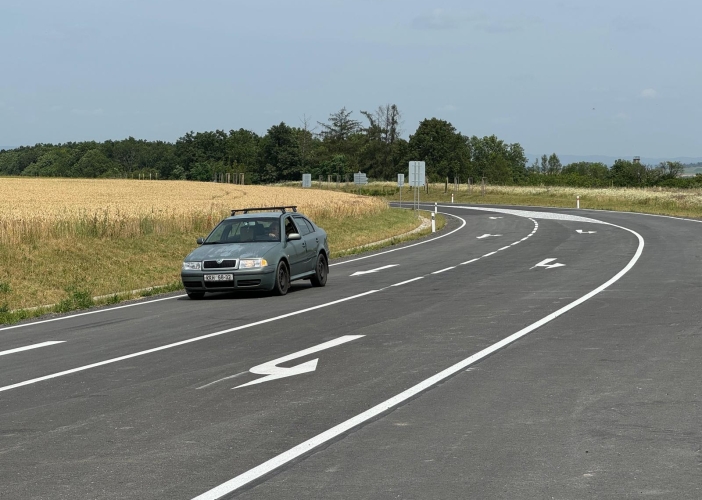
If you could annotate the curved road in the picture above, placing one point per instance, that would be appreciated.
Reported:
(520, 353)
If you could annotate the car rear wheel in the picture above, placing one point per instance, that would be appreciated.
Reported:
(321, 271)
(282, 279)
(196, 295)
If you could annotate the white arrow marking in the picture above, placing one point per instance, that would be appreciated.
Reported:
(274, 372)
(495, 217)
(545, 263)
(487, 236)
(35, 346)
(358, 273)
(580, 231)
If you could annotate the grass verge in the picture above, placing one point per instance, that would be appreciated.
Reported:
(80, 272)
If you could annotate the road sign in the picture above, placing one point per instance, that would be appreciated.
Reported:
(400, 180)
(306, 180)
(360, 178)
(416, 173)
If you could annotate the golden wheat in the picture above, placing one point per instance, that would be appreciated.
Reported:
(38, 208)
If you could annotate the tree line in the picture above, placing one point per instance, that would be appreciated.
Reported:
(339, 146)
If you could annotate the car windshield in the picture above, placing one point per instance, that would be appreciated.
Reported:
(245, 231)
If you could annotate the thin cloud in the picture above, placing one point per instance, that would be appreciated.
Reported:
(437, 19)
(648, 94)
(441, 19)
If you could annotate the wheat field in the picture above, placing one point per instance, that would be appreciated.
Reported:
(36, 209)
(64, 241)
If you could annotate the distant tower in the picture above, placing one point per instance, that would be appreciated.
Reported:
(637, 159)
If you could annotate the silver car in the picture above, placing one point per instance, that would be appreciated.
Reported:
(265, 250)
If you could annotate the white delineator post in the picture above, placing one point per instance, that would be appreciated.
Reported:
(433, 223)
(577, 202)
(434, 207)
(451, 197)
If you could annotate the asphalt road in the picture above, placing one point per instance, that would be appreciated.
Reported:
(519, 353)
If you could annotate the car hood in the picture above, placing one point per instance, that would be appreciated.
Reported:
(230, 251)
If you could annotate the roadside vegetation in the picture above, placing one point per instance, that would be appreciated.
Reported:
(64, 242)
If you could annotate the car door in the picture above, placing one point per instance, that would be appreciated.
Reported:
(311, 241)
(295, 250)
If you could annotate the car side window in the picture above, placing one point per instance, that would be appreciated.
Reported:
(302, 224)
(289, 227)
(309, 224)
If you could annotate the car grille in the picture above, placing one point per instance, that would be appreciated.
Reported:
(225, 264)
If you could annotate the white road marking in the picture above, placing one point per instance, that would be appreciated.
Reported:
(546, 263)
(348, 425)
(496, 217)
(33, 346)
(182, 342)
(222, 380)
(489, 254)
(358, 273)
(90, 312)
(487, 236)
(463, 223)
(442, 270)
(195, 339)
(505, 248)
(274, 372)
(580, 231)
(408, 281)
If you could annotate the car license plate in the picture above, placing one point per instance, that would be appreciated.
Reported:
(219, 277)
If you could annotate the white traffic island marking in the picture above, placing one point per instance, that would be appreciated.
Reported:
(34, 346)
(580, 231)
(358, 273)
(274, 372)
(488, 236)
(546, 263)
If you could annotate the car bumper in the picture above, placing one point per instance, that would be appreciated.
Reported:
(194, 281)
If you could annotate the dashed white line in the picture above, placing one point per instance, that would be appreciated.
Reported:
(442, 270)
(29, 347)
(348, 425)
(469, 261)
(408, 281)
(489, 254)
(182, 342)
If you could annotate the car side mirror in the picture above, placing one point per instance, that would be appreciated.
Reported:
(200, 241)
(294, 236)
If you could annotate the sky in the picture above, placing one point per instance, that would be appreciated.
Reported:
(596, 77)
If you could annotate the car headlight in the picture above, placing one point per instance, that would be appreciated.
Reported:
(192, 266)
(252, 263)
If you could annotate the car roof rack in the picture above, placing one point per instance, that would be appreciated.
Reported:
(265, 209)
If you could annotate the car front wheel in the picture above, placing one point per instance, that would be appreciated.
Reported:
(282, 279)
(321, 271)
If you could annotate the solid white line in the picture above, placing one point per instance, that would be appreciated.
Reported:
(328, 435)
(34, 346)
(489, 254)
(442, 270)
(176, 344)
(89, 312)
(408, 281)
(407, 246)
(505, 248)
(469, 261)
